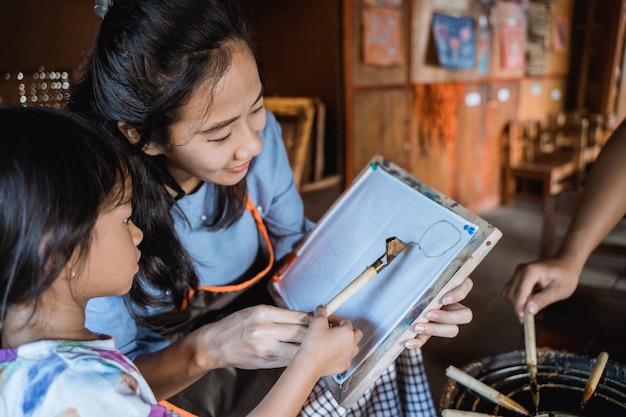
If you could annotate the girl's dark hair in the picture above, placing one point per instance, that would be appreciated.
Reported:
(56, 173)
(148, 58)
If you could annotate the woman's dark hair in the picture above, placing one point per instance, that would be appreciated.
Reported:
(148, 58)
(56, 173)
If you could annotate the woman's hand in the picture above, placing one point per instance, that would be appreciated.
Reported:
(445, 321)
(536, 285)
(253, 338)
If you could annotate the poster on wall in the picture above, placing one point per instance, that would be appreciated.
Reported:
(560, 34)
(382, 36)
(454, 41)
(512, 44)
(482, 48)
(390, 3)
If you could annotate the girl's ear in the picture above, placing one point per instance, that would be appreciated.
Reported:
(134, 137)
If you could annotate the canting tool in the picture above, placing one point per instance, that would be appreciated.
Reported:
(393, 248)
(594, 376)
(485, 390)
(530, 344)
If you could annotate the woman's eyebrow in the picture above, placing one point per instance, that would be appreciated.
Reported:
(220, 125)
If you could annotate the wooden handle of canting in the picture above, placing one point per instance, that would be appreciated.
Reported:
(530, 344)
(594, 376)
(351, 289)
(485, 390)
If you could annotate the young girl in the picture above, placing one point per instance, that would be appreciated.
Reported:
(178, 79)
(67, 237)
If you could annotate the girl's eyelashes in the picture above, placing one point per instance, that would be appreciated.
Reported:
(127, 213)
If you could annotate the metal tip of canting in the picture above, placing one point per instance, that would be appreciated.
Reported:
(394, 247)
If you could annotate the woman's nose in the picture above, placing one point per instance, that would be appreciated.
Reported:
(251, 145)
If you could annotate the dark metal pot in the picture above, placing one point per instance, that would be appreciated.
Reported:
(561, 377)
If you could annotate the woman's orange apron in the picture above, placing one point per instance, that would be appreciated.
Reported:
(226, 391)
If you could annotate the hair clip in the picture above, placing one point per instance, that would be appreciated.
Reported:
(102, 7)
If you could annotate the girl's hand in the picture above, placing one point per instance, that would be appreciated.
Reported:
(445, 321)
(330, 344)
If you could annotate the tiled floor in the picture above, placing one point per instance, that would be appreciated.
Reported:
(494, 328)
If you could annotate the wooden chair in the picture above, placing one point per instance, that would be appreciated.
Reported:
(544, 157)
(297, 116)
(564, 200)
(303, 123)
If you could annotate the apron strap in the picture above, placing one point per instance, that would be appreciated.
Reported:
(236, 287)
(179, 411)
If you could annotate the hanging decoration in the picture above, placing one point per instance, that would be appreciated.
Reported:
(538, 37)
(382, 36)
(454, 41)
(482, 46)
(512, 39)
(390, 3)
(560, 34)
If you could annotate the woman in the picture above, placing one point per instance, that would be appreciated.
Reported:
(178, 79)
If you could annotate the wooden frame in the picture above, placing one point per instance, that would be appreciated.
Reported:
(445, 242)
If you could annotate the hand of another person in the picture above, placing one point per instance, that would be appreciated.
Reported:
(329, 345)
(253, 338)
(445, 321)
(536, 285)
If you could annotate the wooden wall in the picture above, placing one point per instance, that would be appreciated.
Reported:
(392, 110)
(315, 49)
(41, 44)
(54, 34)
(299, 54)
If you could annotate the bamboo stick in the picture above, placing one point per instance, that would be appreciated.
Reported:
(594, 376)
(393, 248)
(485, 390)
(530, 344)
(351, 289)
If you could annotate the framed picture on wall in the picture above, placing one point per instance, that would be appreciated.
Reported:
(454, 40)
(560, 34)
(382, 36)
(513, 45)
(390, 3)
